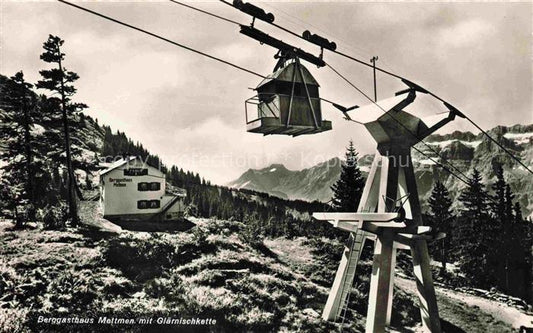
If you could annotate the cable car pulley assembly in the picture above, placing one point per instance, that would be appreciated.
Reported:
(254, 11)
(288, 100)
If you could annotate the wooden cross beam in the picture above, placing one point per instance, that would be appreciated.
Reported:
(391, 229)
(365, 221)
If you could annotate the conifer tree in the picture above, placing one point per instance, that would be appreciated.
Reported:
(498, 205)
(441, 218)
(20, 149)
(518, 212)
(526, 230)
(348, 189)
(504, 247)
(474, 241)
(58, 80)
(518, 248)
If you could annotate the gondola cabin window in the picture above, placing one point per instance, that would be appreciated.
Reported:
(287, 102)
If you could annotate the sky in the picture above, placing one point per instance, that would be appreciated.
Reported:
(189, 109)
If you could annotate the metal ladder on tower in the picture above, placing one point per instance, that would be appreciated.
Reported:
(356, 247)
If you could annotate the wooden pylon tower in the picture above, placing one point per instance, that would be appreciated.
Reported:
(389, 213)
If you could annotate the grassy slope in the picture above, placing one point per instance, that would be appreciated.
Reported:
(458, 311)
(459, 316)
(210, 271)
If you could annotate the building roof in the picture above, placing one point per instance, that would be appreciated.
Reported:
(177, 191)
(117, 164)
(285, 74)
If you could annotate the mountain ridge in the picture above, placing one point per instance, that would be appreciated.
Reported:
(277, 180)
(462, 150)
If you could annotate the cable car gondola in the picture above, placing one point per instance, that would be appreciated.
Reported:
(287, 101)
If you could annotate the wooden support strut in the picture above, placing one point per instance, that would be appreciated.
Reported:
(380, 293)
(424, 285)
(386, 179)
(381, 283)
(292, 95)
(273, 113)
(307, 93)
(336, 295)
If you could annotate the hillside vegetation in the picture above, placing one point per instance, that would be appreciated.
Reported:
(213, 271)
(216, 270)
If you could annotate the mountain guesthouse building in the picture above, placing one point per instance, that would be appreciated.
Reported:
(131, 190)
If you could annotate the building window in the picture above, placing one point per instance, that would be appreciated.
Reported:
(144, 186)
(135, 172)
(148, 204)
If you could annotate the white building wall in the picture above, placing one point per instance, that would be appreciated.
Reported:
(120, 193)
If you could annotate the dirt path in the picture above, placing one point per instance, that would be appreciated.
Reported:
(460, 308)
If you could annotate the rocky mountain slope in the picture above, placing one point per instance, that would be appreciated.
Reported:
(308, 184)
(464, 150)
(467, 151)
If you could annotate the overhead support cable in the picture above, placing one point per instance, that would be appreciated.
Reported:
(163, 38)
(173, 42)
(205, 12)
(350, 83)
(409, 131)
(419, 88)
(334, 51)
(411, 84)
(500, 145)
(492, 139)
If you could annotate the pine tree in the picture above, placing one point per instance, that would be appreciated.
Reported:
(21, 166)
(441, 218)
(498, 205)
(474, 229)
(503, 248)
(525, 228)
(518, 212)
(348, 189)
(517, 252)
(59, 80)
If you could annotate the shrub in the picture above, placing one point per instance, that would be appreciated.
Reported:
(12, 321)
(404, 311)
(223, 227)
(54, 217)
(191, 211)
(140, 260)
(75, 291)
(327, 253)
(251, 236)
(8, 280)
(145, 259)
(170, 289)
